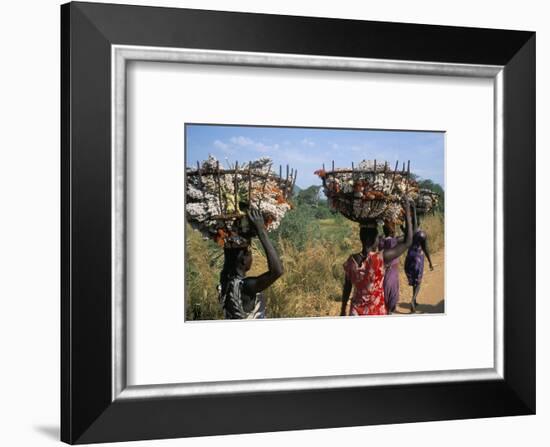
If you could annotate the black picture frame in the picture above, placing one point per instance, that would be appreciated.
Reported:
(88, 412)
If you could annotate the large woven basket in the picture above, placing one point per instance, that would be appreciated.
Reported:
(369, 192)
(217, 199)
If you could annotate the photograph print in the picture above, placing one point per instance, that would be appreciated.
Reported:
(295, 222)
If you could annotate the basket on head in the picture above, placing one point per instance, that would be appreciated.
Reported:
(426, 201)
(218, 199)
(370, 191)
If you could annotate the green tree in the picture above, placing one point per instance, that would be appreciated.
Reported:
(308, 196)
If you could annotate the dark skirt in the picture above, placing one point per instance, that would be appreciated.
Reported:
(391, 276)
(391, 286)
(414, 266)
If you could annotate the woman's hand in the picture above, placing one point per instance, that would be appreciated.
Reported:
(256, 219)
(431, 267)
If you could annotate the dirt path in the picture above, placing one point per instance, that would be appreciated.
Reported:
(432, 290)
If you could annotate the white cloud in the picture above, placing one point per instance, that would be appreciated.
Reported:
(220, 145)
(249, 143)
(308, 142)
(242, 141)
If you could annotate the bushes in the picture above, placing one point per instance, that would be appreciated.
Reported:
(298, 227)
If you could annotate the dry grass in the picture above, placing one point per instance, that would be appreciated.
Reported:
(311, 284)
(434, 227)
(203, 264)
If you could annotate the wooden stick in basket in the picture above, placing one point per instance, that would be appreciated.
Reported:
(263, 186)
(408, 177)
(393, 177)
(236, 187)
(219, 186)
(200, 179)
(286, 182)
(249, 187)
(199, 173)
(377, 203)
(294, 180)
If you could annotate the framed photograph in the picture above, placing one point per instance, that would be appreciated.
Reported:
(277, 223)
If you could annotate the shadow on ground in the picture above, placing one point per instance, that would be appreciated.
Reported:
(405, 308)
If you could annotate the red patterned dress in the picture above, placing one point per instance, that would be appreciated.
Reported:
(368, 282)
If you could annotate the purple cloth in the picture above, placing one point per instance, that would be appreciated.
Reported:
(391, 276)
(414, 262)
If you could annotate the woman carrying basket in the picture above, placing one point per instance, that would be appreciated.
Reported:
(240, 296)
(365, 270)
(414, 262)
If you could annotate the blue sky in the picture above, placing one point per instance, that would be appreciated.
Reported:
(307, 149)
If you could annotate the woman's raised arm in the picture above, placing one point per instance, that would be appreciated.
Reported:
(256, 284)
(391, 253)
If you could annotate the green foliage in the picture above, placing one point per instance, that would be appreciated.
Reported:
(308, 196)
(322, 211)
(298, 226)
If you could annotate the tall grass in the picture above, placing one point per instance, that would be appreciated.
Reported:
(434, 227)
(203, 263)
(313, 278)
